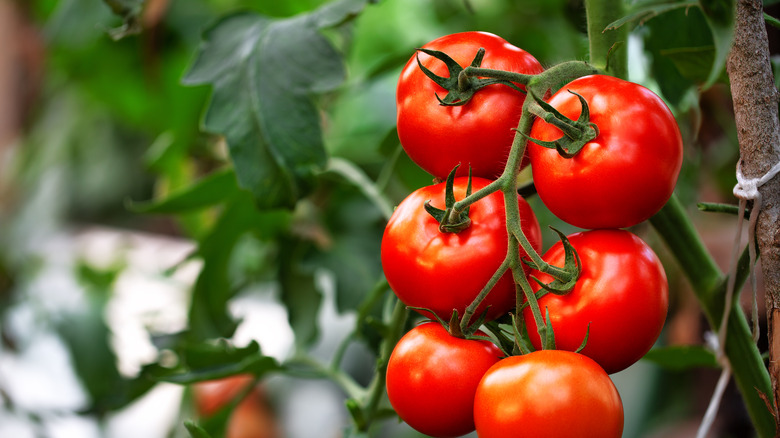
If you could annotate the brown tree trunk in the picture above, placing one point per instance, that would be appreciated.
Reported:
(758, 128)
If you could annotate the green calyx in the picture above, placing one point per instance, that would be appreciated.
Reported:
(565, 277)
(576, 133)
(451, 220)
(461, 84)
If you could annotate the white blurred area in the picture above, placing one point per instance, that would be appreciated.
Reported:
(146, 299)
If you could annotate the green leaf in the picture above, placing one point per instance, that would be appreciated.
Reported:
(695, 63)
(644, 11)
(682, 29)
(356, 228)
(720, 17)
(211, 190)
(195, 430)
(87, 337)
(263, 73)
(209, 361)
(299, 292)
(678, 358)
(209, 317)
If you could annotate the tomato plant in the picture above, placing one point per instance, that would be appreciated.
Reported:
(624, 175)
(548, 393)
(432, 377)
(442, 272)
(478, 134)
(620, 299)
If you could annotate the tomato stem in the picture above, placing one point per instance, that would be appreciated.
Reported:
(511, 78)
(472, 308)
(376, 389)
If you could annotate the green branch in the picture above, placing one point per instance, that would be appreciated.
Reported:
(709, 285)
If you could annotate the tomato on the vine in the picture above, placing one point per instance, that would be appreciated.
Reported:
(620, 299)
(624, 175)
(432, 377)
(478, 134)
(443, 272)
(547, 393)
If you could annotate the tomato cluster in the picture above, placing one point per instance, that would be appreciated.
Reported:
(449, 248)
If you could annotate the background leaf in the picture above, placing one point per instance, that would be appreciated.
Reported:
(209, 361)
(263, 72)
(684, 357)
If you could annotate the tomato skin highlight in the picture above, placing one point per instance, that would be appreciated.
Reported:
(432, 377)
(623, 176)
(622, 293)
(547, 393)
(478, 134)
(445, 271)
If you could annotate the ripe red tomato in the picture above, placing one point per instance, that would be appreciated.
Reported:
(623, 176)
(547, 393)
(432, 377)
(444, 271)
(251, 418)
(212, 395)
(622, 292)
(478, 134)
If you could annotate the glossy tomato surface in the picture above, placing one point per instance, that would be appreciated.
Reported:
(478, 134)
(623, 176)
(622, 293)
(444, 271)
(432, 377)
(550, 394)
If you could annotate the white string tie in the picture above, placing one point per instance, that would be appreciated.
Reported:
(745, 190)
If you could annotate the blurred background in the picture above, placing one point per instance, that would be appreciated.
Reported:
(93, 126)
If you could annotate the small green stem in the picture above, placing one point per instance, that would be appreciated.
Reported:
(464, 203)
(376, 388)
(518, 78)
(530, 299)
(472, 308)
(559, 75)
(318, 370)
(355, 175)
(376, 293)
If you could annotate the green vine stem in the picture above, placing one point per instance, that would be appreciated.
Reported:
(608, 48)
(709, 285)
(376, 389)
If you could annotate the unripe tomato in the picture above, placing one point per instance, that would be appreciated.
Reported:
(478, 134)
(445, 271)
(432, 377)
(550, 394)
(624, 175)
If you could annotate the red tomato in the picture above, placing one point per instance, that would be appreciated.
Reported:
(251, 418)
(445, 271)
(623, 176)
(622, 292)
(550, 394)
(212, 395)
(432, 377)
(478, 134)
